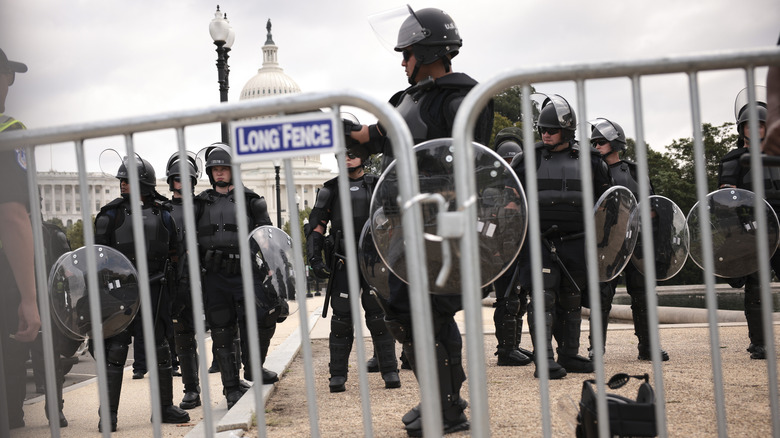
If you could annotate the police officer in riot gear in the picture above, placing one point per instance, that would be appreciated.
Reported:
(218, 241)
(428, 40)
(732, 174)
(113, 228)
(327, 209)
(608, 138)
(181, 311)
(560, 216)
(511, 299)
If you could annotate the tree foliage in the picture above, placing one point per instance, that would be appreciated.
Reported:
(75, 234)
(303, 218)
(507, 107)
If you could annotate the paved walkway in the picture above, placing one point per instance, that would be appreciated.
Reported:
(81, 401)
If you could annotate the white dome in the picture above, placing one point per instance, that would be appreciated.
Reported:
(270, 79)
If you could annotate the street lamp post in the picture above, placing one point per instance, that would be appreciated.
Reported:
(277, 167)
(223, 35)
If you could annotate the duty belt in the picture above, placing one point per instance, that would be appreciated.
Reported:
(222, 262)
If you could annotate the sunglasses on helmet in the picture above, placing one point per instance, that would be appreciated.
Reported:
(600, 142)
(407, 55)
(351, 155)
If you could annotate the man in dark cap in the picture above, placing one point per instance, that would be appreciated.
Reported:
(20, 318)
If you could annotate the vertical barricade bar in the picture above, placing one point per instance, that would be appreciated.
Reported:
(141, 261)
(590, 254)
(98, 346)
(249, 293)
(352, 273)
(471, 290)
(193, 265)
(534, 239)
(311, 393)
(647, 244)
(41, 286)
(763, 252)
(709, 265)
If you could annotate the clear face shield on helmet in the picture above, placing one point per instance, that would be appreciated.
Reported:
(389, 25)
(113, 165)
(742, 101)
(606, 129)
(563, 111)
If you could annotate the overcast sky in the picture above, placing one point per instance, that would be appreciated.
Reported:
(93, 60)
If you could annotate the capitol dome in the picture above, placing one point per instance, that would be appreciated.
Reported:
(270, 79)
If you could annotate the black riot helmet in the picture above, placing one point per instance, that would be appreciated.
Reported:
(218, 154)
(742, 114)
(432, 35)
(146, 174)
(172, 169)
(509, 143)
(603, 129)
(557, 113)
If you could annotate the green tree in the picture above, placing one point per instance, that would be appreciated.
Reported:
(507, 107)
(303, 218)
(58, 222)
(75, 234)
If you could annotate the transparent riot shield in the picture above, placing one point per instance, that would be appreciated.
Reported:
(501, 208)
(272, 261)
(117, 288)
(732, 223)
(373, 269)
(617, 228)
(671, 239)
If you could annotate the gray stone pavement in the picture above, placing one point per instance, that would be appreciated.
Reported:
(81, 400)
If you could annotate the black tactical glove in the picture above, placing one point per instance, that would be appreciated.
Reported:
(314, 245)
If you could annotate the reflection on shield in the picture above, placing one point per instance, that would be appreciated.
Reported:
(117, 288)
(271, 251)
(671, 239)
(374, 270)
(732, 220)
(617, 227)
(502, 215)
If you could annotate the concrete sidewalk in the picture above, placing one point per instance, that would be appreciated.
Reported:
(81, 401)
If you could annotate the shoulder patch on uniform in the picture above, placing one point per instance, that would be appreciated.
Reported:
(21, 158)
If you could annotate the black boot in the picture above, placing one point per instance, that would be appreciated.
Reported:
(114, 377)
(170, 412)
(543, 354)
(642, 332)
(224, 354)
(372, 364)
(569, 344)
(60, 380)
(754, 318)
(340, 345)
(384, 350)
(188, 361)
(265, 342)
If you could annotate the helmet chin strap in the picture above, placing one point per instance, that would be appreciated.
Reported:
(416, 70)
(221, 183)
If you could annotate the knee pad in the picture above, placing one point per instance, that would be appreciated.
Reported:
(185, 342)
(569, 301)
(163, 355)
(116, 354)
(341, 327)
(221, 315)
(376, 324)
(222, 337)
(400, 331)
(513, 304)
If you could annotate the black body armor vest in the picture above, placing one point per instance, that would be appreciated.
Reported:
(560, 187)
(155, 233)
(623, 174)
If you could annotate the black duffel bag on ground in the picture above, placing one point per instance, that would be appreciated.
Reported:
(627, 418)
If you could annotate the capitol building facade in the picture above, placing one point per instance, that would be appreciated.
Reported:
(60, 191)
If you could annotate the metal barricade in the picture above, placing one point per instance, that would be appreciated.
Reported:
(397, 131)
(579, 74)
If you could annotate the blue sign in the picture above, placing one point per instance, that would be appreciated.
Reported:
(297, 135)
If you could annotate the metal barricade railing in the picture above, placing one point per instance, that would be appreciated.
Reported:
(397, 131)
(466, 186)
